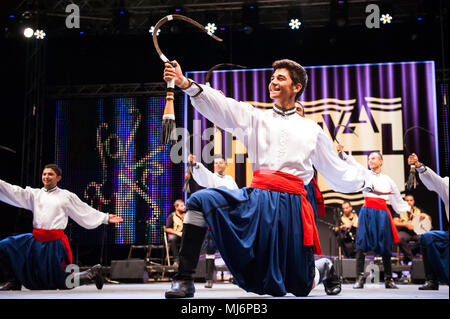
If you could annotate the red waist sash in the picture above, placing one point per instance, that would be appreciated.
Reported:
(51, 235)
(379, 203)
(283, 182)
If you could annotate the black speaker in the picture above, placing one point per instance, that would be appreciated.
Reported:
(417, 271)
(129, 270)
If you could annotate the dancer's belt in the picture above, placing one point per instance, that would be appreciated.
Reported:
(379, 203)
(52, 235)
(286, 183)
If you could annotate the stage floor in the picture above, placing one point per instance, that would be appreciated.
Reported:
(156, 290)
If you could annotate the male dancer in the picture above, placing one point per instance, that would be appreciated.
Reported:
(38, 260)
(265, 233)
(376, 230)
(207, 179)
(433, 244)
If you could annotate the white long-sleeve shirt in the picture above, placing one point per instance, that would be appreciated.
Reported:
(288, 143)
(435, 183)
(208, 179)
(52, 208)
(382, 183)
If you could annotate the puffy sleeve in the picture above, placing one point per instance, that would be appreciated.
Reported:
(83, 214)
(16, 196)
(396, 200)
(435, 183)
(338, 174)
(232, 116)
(351, 161)
(203, 176)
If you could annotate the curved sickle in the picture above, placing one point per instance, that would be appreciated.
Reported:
(176, 17)
(409, 130)
(219, 66)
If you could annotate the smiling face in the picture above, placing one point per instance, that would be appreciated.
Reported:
(50, 178)
(220, 165)
(281, 87)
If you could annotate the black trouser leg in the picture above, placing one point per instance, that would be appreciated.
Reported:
(8, 280)
(191, 244)
(6, 271)
(175, 242)
(429, 275)
(404, 245)
(209, 269)
(387, 265)
(360, 260)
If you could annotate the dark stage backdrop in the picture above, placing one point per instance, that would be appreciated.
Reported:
(110, 152)
(366, 107)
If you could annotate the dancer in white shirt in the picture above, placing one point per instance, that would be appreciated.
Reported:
(265, 233)
(376, 230)
(434, 244)
(38, 260)
(208, 179)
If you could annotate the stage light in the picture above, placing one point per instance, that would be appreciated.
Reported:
(152, 28)
(295, 24)
(12, 16)
(39, 34)
(386, 18)
(338, 13)
(211, 28)
(28, 32)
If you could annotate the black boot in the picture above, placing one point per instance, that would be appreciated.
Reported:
(8, 280)
(328, 276)
(360, 280)
(209, 272)
(191, 243)
(389, 283)
(430, 285)
(92, 275)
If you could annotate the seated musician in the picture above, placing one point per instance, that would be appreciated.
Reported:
(408, 244)
(346, 232)
(174, 228)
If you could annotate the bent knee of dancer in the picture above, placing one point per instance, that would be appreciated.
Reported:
(195, 217)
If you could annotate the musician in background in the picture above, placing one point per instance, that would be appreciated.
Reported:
(346, 231)
(174, 228)
(409, 244)
(433, 244)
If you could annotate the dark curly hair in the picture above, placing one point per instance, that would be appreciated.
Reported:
(296, 71)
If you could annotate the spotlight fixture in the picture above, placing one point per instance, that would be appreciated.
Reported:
(211, 28)
(386, 18)
(39, 34)
(28, 32)
(295, 24)
(152, 28)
